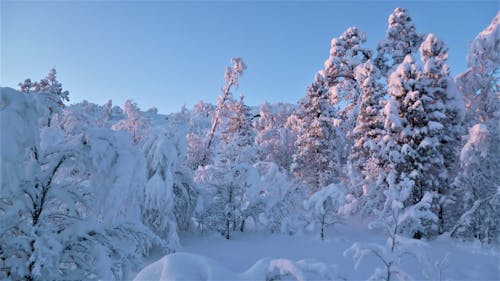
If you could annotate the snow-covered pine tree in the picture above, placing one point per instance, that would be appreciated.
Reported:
(401, 40)
(315, 162)
(346, 54)
(413, 122)
(448, 104)
(365, 155)
(135, 124)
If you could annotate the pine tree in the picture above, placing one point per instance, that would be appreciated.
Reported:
(365, 155)
(346, 54)
(314, 162)
(413, 120)
(401, 40)
(448, 104)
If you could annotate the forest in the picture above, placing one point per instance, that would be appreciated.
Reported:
(386, 138)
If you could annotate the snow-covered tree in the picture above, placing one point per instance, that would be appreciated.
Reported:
(401, 40)
(477, 188)
(413, 122)
(51, 90)
(314, 162)
(226, 182)
(326, 207)
(448, 104)
(369, 125)
(365, 157)
(71, 213)
(479, 84)
(135, 124)
(346, 54)
(231, 77)
(398, 220)
(478, 185)
(275, 139)
(157, 207)
(283, 211)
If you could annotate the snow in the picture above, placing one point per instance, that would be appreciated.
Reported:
(253, 256)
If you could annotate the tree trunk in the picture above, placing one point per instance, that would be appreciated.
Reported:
(323, 228)
(242, 225)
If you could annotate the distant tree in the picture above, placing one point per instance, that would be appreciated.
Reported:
(275, 140)
(25, 86)
(135, 124)
(401, 40)
(51, 89)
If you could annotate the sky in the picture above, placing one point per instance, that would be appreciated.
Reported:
(168, 54)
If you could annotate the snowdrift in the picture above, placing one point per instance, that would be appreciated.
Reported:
(187, 266)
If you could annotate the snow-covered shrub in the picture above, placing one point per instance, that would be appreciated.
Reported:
(71, 213)
(325, 207)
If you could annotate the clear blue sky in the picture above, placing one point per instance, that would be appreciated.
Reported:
(167, 54)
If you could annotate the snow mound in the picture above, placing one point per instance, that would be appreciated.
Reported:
(187, 266)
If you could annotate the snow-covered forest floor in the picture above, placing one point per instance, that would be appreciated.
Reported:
(211, 257)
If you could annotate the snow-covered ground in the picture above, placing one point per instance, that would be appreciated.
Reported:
(252, 256)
